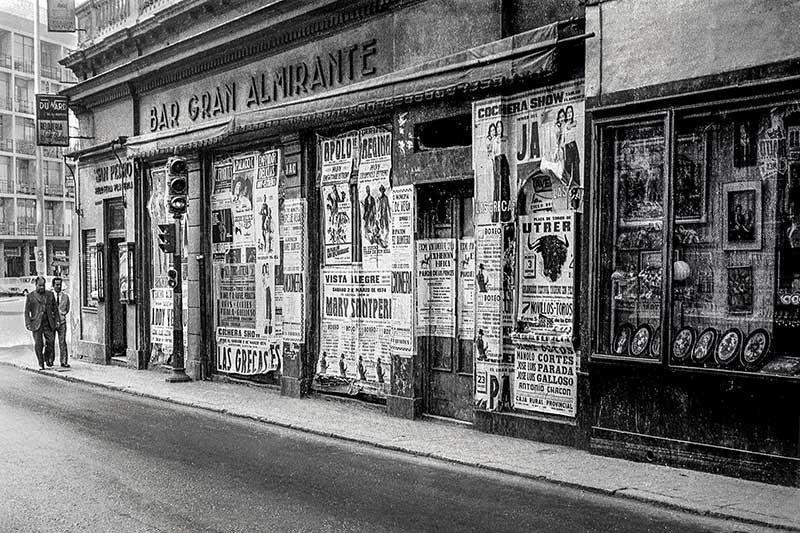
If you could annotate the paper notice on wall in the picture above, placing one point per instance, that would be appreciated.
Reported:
(545, 378)
(244, 351)
(356, 327)
(488, 292)
(493, 385)
(293, 227)
(244, 173)
(546, 264)
(221, 214)
(466, 289)
(338, 155)
(235, 298)
(265, 207)
(161, 315)
(436, 287)
(403, 220)
(375, 196)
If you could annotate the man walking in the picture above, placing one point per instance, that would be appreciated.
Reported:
(41, 318)
(62, 304)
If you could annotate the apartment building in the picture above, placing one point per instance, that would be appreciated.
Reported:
(33, 201)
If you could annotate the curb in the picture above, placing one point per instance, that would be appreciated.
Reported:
(399, 449)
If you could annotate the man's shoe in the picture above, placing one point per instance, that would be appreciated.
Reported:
(65, 365)
(49, 363)
(42, 368)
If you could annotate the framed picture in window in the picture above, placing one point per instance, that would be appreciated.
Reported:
(741, 211)
(640, 181)
(689, 188)
(740, 290)
(745, 137)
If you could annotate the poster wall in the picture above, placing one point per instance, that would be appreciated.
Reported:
(161, 316)
(338, 156)
(247, 270)
(374, 193)
(528, 158)
(403, 220)
(436, 287)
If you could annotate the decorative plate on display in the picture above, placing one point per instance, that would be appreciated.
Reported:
(682, 344)
(641, 341)
(655, 344)
(728, 347)
(755, 349)
(622, 340)
(704, 347)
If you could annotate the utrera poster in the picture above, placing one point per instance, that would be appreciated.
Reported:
(546, 264)
(338, 157)
(545, 377)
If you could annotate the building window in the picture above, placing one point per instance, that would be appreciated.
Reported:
(23, 53)
(89, 269)
(717, 230)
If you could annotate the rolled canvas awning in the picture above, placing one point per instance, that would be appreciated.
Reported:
(528, 55)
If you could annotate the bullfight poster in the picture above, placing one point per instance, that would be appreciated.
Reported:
(374, 170)
(403, 222)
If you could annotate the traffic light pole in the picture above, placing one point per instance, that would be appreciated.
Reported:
(178, 373)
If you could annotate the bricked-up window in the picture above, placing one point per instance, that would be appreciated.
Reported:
(89, 269)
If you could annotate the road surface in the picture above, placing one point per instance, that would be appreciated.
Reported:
(82, 458)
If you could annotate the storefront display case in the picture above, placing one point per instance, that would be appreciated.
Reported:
(726, 187)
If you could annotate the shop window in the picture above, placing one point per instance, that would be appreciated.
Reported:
(88, 251)
(630, 278)
(448, 132)
(731, 203)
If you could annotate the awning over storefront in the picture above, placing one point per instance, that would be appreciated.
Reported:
(182, 139)
(526, 55)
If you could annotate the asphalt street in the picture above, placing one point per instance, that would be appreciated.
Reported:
(82, 458)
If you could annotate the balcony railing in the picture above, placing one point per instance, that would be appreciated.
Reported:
(53, 189)
(6, 186)
(70, 191)
(51, 151)
(7, 104)
(51, 71)
(26, 186)
(24, 106)
(26, 147)
(103, 17)
(23, 66)
(54, 230)
(6, 228)
(7, 145)
(25, 228)
(5, 60)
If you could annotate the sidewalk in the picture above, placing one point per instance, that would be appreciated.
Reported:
(698, 492)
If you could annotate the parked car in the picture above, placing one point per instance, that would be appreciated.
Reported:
(20, 286)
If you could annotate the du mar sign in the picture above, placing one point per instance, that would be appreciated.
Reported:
(52, 120)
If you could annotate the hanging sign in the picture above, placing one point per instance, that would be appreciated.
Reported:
(61, 16)
(52, 120)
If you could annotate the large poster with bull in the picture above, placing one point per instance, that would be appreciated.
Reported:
(546, 265)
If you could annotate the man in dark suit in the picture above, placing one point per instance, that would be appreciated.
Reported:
(62, 304)
(41, 318)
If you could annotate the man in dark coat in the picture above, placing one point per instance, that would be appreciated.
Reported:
(41, 318)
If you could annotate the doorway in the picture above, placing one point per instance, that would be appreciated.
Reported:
(445, 213)
(116, 320)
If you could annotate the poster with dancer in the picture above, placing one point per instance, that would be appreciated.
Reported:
(221, 216)
(374, 194)
(338, 155)
(244, 172)
(265, 208)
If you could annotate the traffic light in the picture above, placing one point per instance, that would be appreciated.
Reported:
(172, 278)
(166, 238)
(177, 185)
